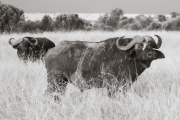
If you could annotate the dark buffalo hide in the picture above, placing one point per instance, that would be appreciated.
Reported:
(99, 64)
(30, 48)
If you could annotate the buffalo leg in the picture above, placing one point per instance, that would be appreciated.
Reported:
(57, 84)
(111, 91)
(61, 82)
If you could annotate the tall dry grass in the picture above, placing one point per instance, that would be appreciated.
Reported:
(155, 95)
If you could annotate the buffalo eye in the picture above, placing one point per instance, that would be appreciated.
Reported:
(149, 54)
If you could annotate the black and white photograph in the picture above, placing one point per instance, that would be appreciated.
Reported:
(89, 59)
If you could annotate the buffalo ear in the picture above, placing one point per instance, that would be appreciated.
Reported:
(160, 55)
(15, 46)
(28, 39)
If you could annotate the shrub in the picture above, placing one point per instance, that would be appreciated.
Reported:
(31, 26)
(124, 23)
(46, 23)
(174, 14)
(130, 20)
(102, 19)
(167, 26)
(161, 18)
(99, 26)
(70, 22)
(89, 28)
(173, 24)
(144, 21)
(155, 25)
(114, 17)
(135, 26)
(108, 28)
(112, 21)
(109, 20)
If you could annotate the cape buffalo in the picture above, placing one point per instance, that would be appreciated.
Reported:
(87, 64)
(30, 48)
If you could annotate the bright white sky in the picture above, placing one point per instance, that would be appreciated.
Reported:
(99, 6)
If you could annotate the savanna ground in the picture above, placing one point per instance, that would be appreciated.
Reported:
(155, 95)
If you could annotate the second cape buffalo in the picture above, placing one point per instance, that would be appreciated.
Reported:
(99, 64)
(30, 48)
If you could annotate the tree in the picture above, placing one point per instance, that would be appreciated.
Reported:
(155, 25)
(174, 14)
(46, 23)
(103, 19)
(114, 17)
(69, 22)
(161, 18)
(31, 26)
(72, 21)
(10, 16)
(144, 21)
(117, 13)
(125, 23)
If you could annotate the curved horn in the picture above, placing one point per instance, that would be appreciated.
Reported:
(158, 45)
(36, 42)
(136, 39)
(33, 44)
(10, 41)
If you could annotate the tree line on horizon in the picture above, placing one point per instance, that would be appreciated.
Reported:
(12, 20)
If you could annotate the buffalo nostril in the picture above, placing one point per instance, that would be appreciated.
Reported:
(155, 54)
(149, 54)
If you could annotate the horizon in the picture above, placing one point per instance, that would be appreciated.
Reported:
(88, 16)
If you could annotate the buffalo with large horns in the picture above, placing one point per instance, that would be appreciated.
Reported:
(30, 48)
(114, 61)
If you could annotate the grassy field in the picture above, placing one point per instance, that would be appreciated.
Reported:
(155, 95)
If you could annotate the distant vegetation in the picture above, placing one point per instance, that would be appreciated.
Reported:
(12, 20)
